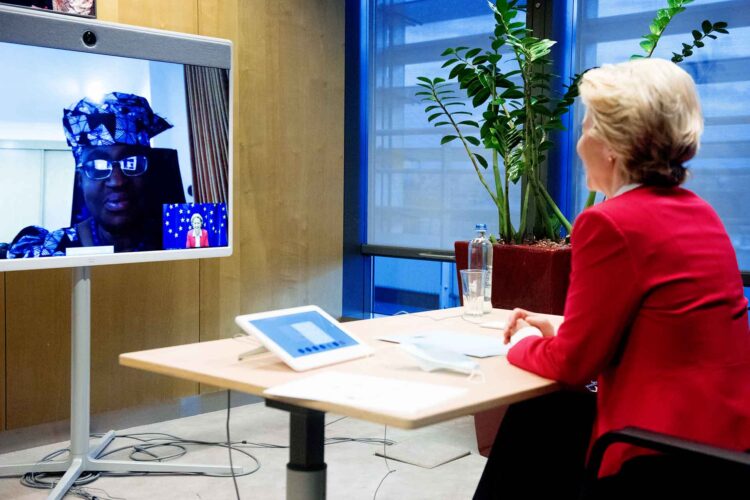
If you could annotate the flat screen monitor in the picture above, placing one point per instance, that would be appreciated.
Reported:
(115, 143)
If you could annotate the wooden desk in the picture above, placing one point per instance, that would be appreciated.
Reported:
(216, 363)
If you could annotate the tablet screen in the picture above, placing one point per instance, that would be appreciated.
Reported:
(304, 333)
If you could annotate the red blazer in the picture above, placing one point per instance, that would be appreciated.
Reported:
(191, 240)
(656, 313)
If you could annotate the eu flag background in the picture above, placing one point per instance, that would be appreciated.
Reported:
(176, 223)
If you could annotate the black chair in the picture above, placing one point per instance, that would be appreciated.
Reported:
(686, 469)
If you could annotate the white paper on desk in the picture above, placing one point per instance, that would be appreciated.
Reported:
(478, 346)
(366, 391)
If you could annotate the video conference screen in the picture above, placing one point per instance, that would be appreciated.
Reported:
(104, 155)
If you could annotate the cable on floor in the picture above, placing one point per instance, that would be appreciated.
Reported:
(387, 465)
(147, 449)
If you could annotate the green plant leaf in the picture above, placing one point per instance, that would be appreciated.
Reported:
(469, 122)
(494, 58)
(433, 116)
(430, 108)
(447, 52)
(482, 161)
(497, 9)
(472, 140)
(512, 93)
(424, 79)
(449, 62)
(720, 25)
(423, 93)
(440, 124)
(448, 138)
(706, 26)
(647, 45)
(480, 98)
(456, 70)
(697, 35)
(472, 53)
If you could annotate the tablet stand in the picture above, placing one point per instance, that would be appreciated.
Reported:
(83, 458)
(252, 352)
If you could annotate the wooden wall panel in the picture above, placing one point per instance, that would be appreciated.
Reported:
(136, 307)
(37, 346)
(173, 15)
(291, 71)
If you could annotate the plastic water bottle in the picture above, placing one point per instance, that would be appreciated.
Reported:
(480, 257)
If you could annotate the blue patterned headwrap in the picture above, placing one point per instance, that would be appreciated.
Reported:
(119, 119)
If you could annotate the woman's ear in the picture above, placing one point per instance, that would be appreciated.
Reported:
(611, 156)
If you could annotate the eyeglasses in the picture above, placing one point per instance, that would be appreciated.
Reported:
(98, 170)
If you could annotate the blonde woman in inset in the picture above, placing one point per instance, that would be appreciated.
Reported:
(197, 237)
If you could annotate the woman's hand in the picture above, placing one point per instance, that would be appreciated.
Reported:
(521, 318)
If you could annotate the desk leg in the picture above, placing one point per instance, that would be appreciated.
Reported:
(306, 470)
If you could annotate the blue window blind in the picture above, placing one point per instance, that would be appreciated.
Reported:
(609, 31)
(420, 195)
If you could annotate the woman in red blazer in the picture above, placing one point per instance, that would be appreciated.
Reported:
(655, 311)
(197, 237)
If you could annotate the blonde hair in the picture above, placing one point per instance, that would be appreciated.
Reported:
(192, 217)
(647, 111)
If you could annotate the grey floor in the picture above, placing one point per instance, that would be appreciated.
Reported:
(354, 472)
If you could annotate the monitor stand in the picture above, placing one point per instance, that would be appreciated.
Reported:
(82, 457)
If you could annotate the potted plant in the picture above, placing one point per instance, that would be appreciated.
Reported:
(514, 113)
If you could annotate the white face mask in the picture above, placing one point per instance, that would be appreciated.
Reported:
(431, 358)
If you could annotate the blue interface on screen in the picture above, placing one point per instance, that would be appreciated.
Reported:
(304, 333)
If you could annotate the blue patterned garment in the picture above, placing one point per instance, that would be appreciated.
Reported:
(119, 119)
(35, 241)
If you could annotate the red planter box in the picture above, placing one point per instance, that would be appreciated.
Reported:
(530, 277)
(525, 276)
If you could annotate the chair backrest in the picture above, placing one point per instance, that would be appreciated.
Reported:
(707, 459)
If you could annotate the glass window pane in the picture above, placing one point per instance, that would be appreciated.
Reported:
(420, 195)
(609, 32)
(408, 285)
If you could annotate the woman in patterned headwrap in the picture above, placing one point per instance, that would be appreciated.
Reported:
(111, 145)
